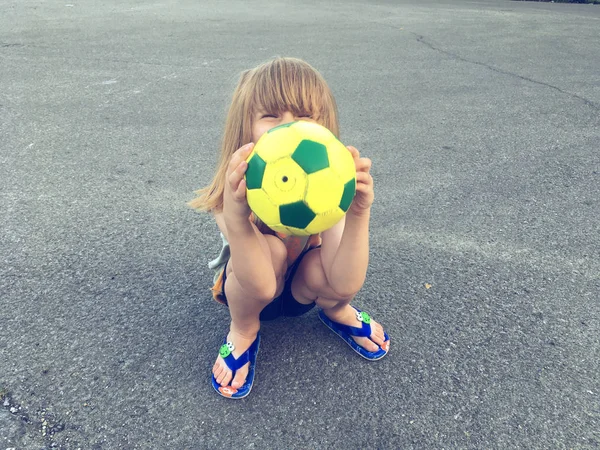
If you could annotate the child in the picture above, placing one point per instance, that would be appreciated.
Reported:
(261, 274)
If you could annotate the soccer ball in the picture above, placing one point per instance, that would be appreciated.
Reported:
(300, 179)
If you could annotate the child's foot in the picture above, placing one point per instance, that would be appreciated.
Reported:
(223, 374)
(348, 316)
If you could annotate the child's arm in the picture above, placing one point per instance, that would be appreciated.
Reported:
(345, 247)
(251, 260)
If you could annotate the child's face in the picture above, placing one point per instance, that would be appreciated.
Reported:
(264, 121)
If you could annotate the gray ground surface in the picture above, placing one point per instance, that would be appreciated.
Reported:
(483, 121)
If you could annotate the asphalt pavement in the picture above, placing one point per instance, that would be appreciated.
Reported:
(482, 119)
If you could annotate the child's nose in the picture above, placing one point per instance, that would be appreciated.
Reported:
(287, 117)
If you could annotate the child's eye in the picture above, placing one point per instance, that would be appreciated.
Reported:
(272, 116)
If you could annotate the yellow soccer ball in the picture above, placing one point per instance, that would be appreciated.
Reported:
(301, 179)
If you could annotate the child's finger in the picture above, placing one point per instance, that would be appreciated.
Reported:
(237, 176)
(353, 151)
(363, 178)
(240, 155)
(238, 172)
(240, 192)
(363, 164)
(245, 150)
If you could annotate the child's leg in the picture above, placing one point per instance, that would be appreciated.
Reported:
(310, 284)
(245, 307)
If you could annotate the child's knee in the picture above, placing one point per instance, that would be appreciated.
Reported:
(316, 280)
(278, 255)
(238, 290)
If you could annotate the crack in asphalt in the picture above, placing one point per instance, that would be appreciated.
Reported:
(421, 39)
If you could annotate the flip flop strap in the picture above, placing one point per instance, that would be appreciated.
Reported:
(235, 363)
(364, 331)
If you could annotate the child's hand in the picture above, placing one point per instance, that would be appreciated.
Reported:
(235, 205)
(364, 183)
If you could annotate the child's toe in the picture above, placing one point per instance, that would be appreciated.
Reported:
(225, 378)
(222, 374)
(240, 378)
(367, 344)
(378, 335)
(220, 368)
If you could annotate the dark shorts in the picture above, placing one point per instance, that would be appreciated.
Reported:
(285, 304)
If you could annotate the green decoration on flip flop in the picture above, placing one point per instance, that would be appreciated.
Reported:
(363, 317)
(226, 350)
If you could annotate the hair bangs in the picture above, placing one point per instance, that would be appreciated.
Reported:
(288, 84)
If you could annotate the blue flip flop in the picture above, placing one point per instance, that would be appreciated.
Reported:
(234, 364)
(346, 332)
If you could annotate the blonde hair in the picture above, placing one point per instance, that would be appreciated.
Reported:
(282, 84)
